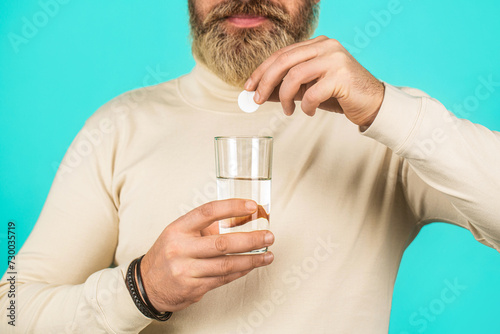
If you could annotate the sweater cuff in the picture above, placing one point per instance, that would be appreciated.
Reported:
(111, 300)
(396, 120)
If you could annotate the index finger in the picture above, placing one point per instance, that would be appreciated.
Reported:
(256, 76)
(204, 215)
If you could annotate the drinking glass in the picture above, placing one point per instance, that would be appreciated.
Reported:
(243, 168)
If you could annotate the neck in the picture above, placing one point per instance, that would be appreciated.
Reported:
(202, 89)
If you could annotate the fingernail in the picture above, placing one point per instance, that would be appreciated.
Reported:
(268, 257)
(269, 238)
(256, 97)
(248, 84)
(251, 205)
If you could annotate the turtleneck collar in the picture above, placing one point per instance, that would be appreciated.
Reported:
(204, 90)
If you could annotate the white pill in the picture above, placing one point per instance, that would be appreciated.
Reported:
(246, 102)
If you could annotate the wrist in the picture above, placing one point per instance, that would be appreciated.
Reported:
(147, 280)
(136, 289)
(367, 121)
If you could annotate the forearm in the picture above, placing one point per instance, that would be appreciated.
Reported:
(100, 305)
(457, 158)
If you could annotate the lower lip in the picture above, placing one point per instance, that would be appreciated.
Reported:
(246, 21)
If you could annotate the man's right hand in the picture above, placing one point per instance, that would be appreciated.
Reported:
(185, 263)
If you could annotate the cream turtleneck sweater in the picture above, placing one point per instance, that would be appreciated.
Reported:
(345, 204)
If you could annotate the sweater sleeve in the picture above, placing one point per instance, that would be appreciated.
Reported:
(451, 168)
(65, 283)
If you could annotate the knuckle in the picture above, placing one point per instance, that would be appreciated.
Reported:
(265, 82)
(177, 270)
(221, 243)
(294, 74)
(333, 43)
(207, 209)
(311, 96)
(255, 75)
(173, 251)
(280, 51)
(185, 293)
(256, 241)
(257, 261)
(284, 50)
(221, 280)
(318, 50)
(226, 266)
(340, 57)
(343, 73)
(202, 291)
(283, 59)
(197, 298)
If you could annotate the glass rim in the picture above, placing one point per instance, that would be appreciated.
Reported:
(242, 137)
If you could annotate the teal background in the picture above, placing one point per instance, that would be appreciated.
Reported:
(88, 52)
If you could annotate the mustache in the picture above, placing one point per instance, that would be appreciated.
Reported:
(266, 8)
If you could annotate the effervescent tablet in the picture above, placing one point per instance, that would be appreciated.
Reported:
(246, 102)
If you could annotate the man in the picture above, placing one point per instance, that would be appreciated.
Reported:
(352, 187)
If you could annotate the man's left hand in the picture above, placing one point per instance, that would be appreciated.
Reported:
(322, 74)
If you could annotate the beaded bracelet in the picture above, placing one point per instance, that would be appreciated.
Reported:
(138, 293)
